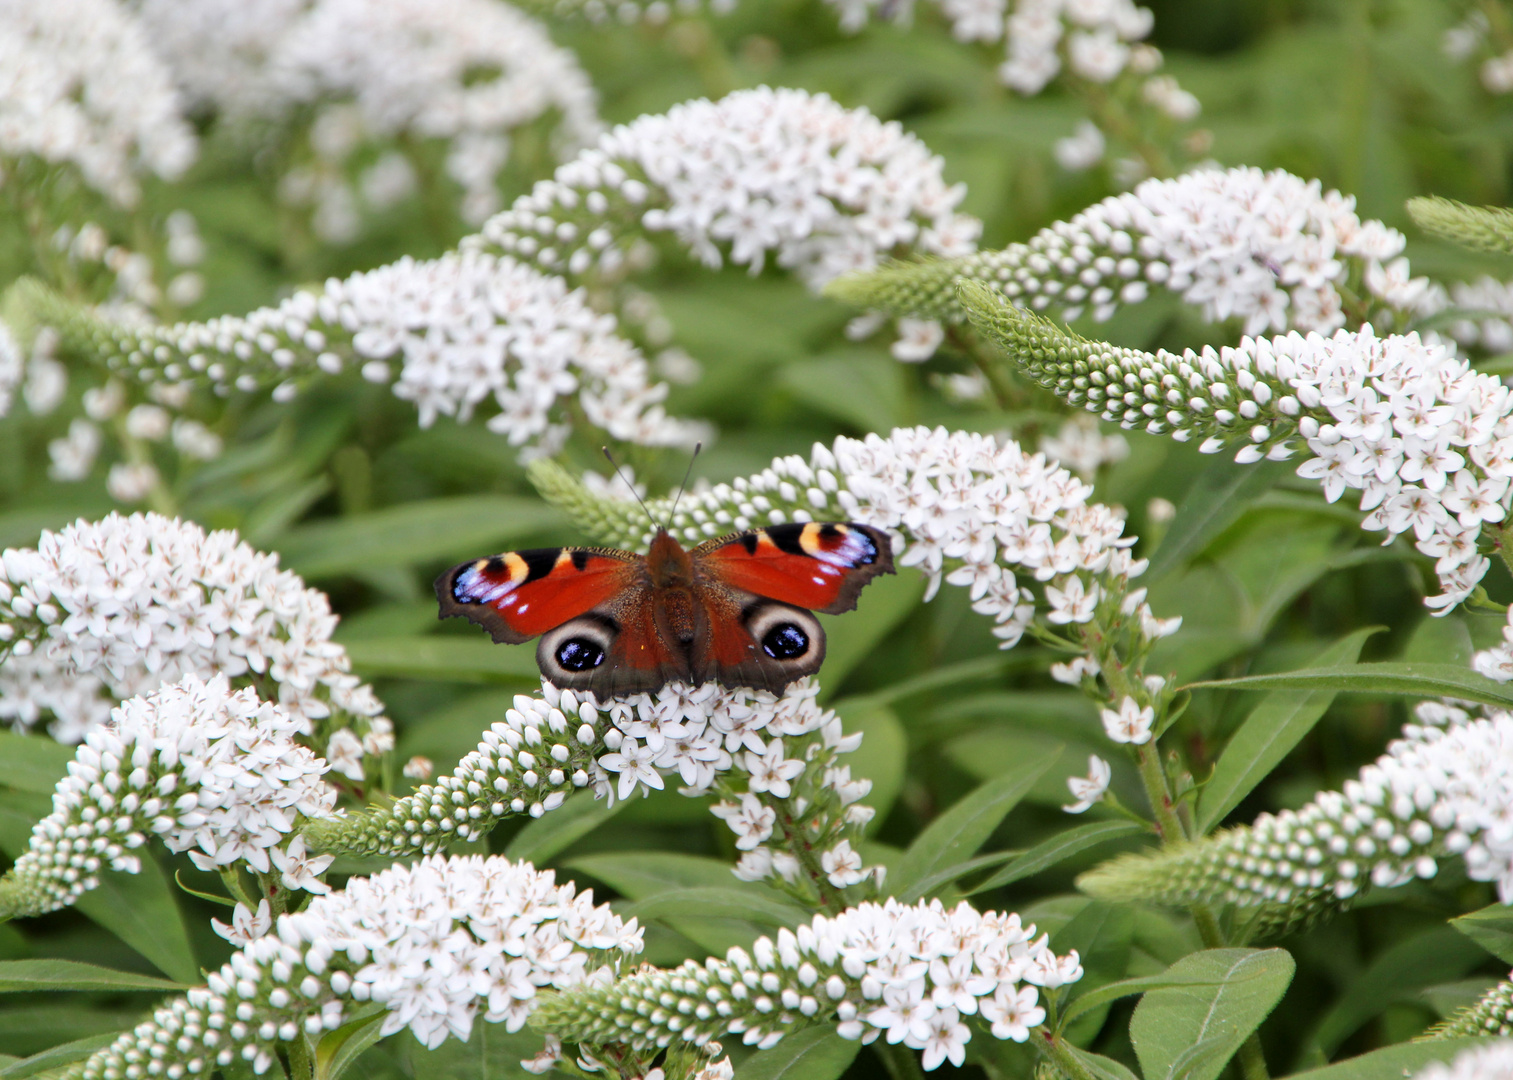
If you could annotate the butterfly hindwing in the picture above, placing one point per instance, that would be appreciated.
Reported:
(520, 594)
(755, 641)
(821, 566)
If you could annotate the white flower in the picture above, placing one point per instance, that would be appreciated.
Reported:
(297, 870)
(762, 173)
(1081, 150)
(906, 971)
(439, 944)
(141, 601)
(418, 767)
(842, 866)
(245, 926)
(12, 368)
(1267, 249)
(1074, 671)
(770, 771)
(344, 751)
(74, 456)
(635, 762)
(211, 771)
(749, 819)
(1080, 446)
(917, 339)
(456, 335)
(1130, 724)
(83, 86)
(1089, 790)
(1013, 1011)
(546, 1058)
(131, 482)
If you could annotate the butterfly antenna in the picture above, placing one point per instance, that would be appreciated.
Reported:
(684, 485)
(626, 481)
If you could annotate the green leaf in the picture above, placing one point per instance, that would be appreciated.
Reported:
(1098, 1066)
(968, 823)
(1410, 680)
(434, 530)
(338, 1049)
(1168, 1024)
(640, 875)
(549, 835)
(1059, 848)
(1404, 1059)
(881, 757)
(718, 902)
(1217, 498)
(58, 1056)
(811, 1053)
(32, 762)
(951, 873)
(1398, 973)
(851, 638)
(140, 910)
(1491, 928)
(860, 387)
(1168, 980)
(30, 975)
(1268, 735)
(446, 657)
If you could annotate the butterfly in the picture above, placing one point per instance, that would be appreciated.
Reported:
(736, 610)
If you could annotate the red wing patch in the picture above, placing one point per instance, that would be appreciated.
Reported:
(811, 565)
(520, 594)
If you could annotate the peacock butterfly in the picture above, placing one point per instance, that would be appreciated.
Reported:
(736, 610)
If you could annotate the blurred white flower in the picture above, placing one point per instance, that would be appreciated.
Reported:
(1089, 789)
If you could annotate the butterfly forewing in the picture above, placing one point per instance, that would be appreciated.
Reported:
(821, 566)
(520, 594)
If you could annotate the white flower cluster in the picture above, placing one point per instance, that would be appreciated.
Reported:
(82, 86)
(548, 746)
(451, 334)
(107, 610)
(1080, 446)
(465, 71)
(12, 368)
(1425, 438)
(211, 771)
(909, 973)
(969, 510)
(439, 944)
(1446, 787)
(1267, 249)
(1491, 1062)
(823, 188)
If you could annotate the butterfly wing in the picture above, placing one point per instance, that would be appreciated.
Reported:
(816, 565)
(754, 588)
(590, 606)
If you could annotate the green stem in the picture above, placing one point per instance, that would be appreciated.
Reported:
(1005, 392)
(802, 850)
(1056, 1049)
(1504, 535)
(301, 1061)
(1167, 822)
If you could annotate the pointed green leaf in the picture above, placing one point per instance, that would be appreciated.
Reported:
(32, 763)
(1168, 1024)
(711, 901)
(57, 1056)
(436, 530)
(968, 823)
(1098, 1066)
(812, 1053)
(1491, 928)
(1410, 680)
(30, 975)
(1217, 498)
(1268, 735)
(338, 1049)
(444, 656)
(1404, 1059)
(1059, 848)
(140, 910)
(551, 834)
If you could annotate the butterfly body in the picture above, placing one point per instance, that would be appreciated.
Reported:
(736, 610)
